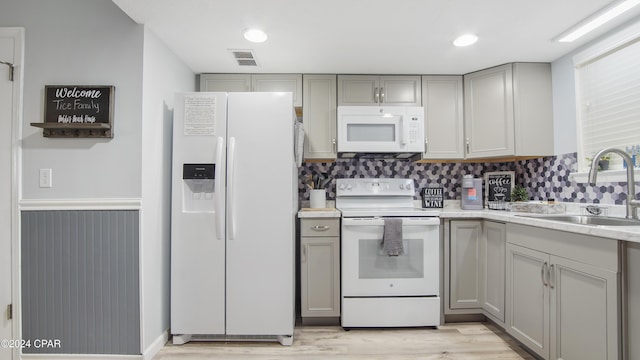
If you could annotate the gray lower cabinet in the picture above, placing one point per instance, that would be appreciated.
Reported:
(632, 305)
(320, 267)
(562, 293)
(492, 269)
(464, 264)
(475, 259)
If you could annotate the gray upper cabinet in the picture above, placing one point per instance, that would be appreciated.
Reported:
(443, 117)
(508, 111)
(225, 82)
(373, 90)
(319, 116)
(488, 100)
(279, 83)
(254, 82)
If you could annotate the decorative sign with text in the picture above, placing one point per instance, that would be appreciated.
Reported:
(433, 197)
(498, 186)
(76, 104)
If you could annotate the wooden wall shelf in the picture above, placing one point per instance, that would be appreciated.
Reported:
(95, 130)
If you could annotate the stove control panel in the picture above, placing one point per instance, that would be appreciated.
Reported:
(374, 187)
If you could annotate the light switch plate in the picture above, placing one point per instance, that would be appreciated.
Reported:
(45, 178)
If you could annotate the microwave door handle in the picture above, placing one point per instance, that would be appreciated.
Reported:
(403, 131)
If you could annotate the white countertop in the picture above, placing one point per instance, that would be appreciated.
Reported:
(627, 233)
(319, 213)
(453, 211)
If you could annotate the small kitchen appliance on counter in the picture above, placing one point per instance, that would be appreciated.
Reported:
(471, 193)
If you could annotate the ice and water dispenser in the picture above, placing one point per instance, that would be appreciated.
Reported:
(198, 187)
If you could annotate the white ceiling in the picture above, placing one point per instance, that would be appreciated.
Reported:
(364, 36)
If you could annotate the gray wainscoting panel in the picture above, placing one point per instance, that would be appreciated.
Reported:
(80, 282)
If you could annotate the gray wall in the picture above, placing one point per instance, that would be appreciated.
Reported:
(80, 42)
(80, 281)
(164, 75)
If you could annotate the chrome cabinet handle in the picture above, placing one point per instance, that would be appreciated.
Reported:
(551, 273)
(304, 254)
(376, 95)
(467, 145)
(426, 145)
(320, 227)
(381, 95)
(333, 144)
(543, 274)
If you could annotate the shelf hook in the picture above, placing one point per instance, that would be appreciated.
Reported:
(11, 67)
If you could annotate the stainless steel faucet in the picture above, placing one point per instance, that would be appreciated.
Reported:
(632, 203)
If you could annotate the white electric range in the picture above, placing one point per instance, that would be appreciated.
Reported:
(378, 289)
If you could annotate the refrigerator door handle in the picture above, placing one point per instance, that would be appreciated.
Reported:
(231, 188)
(219, 190)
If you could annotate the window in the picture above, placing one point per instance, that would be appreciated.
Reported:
(608, 93)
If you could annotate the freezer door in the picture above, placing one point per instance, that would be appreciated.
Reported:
(198, 212)
(260, 219)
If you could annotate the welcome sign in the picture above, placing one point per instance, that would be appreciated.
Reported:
(75, 104)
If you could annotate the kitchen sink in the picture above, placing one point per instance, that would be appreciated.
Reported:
(587, 220)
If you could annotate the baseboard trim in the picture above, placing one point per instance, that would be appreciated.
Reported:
(156, 346)
(79, 357)
(80, 204)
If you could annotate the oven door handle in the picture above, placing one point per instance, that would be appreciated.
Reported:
(380, 221)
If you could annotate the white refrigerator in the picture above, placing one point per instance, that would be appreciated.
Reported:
(234, 200)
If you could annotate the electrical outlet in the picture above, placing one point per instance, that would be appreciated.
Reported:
(45, 178)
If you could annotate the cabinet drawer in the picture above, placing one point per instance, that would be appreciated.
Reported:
(320, 227)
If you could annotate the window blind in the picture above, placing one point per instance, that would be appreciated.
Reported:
(609, 101)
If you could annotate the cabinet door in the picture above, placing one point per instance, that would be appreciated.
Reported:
(584, 311)
(493, 252)
(533, 109)
(400, 90)
(443, 117)
(358, 90)
(632, 308)
(225, 82)
(464, 272)
(279, 83)
(489, 122)
(528, 298)
(320, 276)
(319, 116)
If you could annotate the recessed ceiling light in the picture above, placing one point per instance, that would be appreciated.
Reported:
(596, 20)
(255, 35)
(466, 40)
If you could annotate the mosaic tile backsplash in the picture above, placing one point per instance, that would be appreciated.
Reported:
(544, 178)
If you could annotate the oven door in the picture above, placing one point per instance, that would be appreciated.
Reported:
(368, 271)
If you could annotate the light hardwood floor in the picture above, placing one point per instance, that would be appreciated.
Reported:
(472, 341)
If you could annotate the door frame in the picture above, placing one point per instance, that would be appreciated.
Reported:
(16, 168)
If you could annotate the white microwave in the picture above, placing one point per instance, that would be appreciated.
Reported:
(380, 132)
